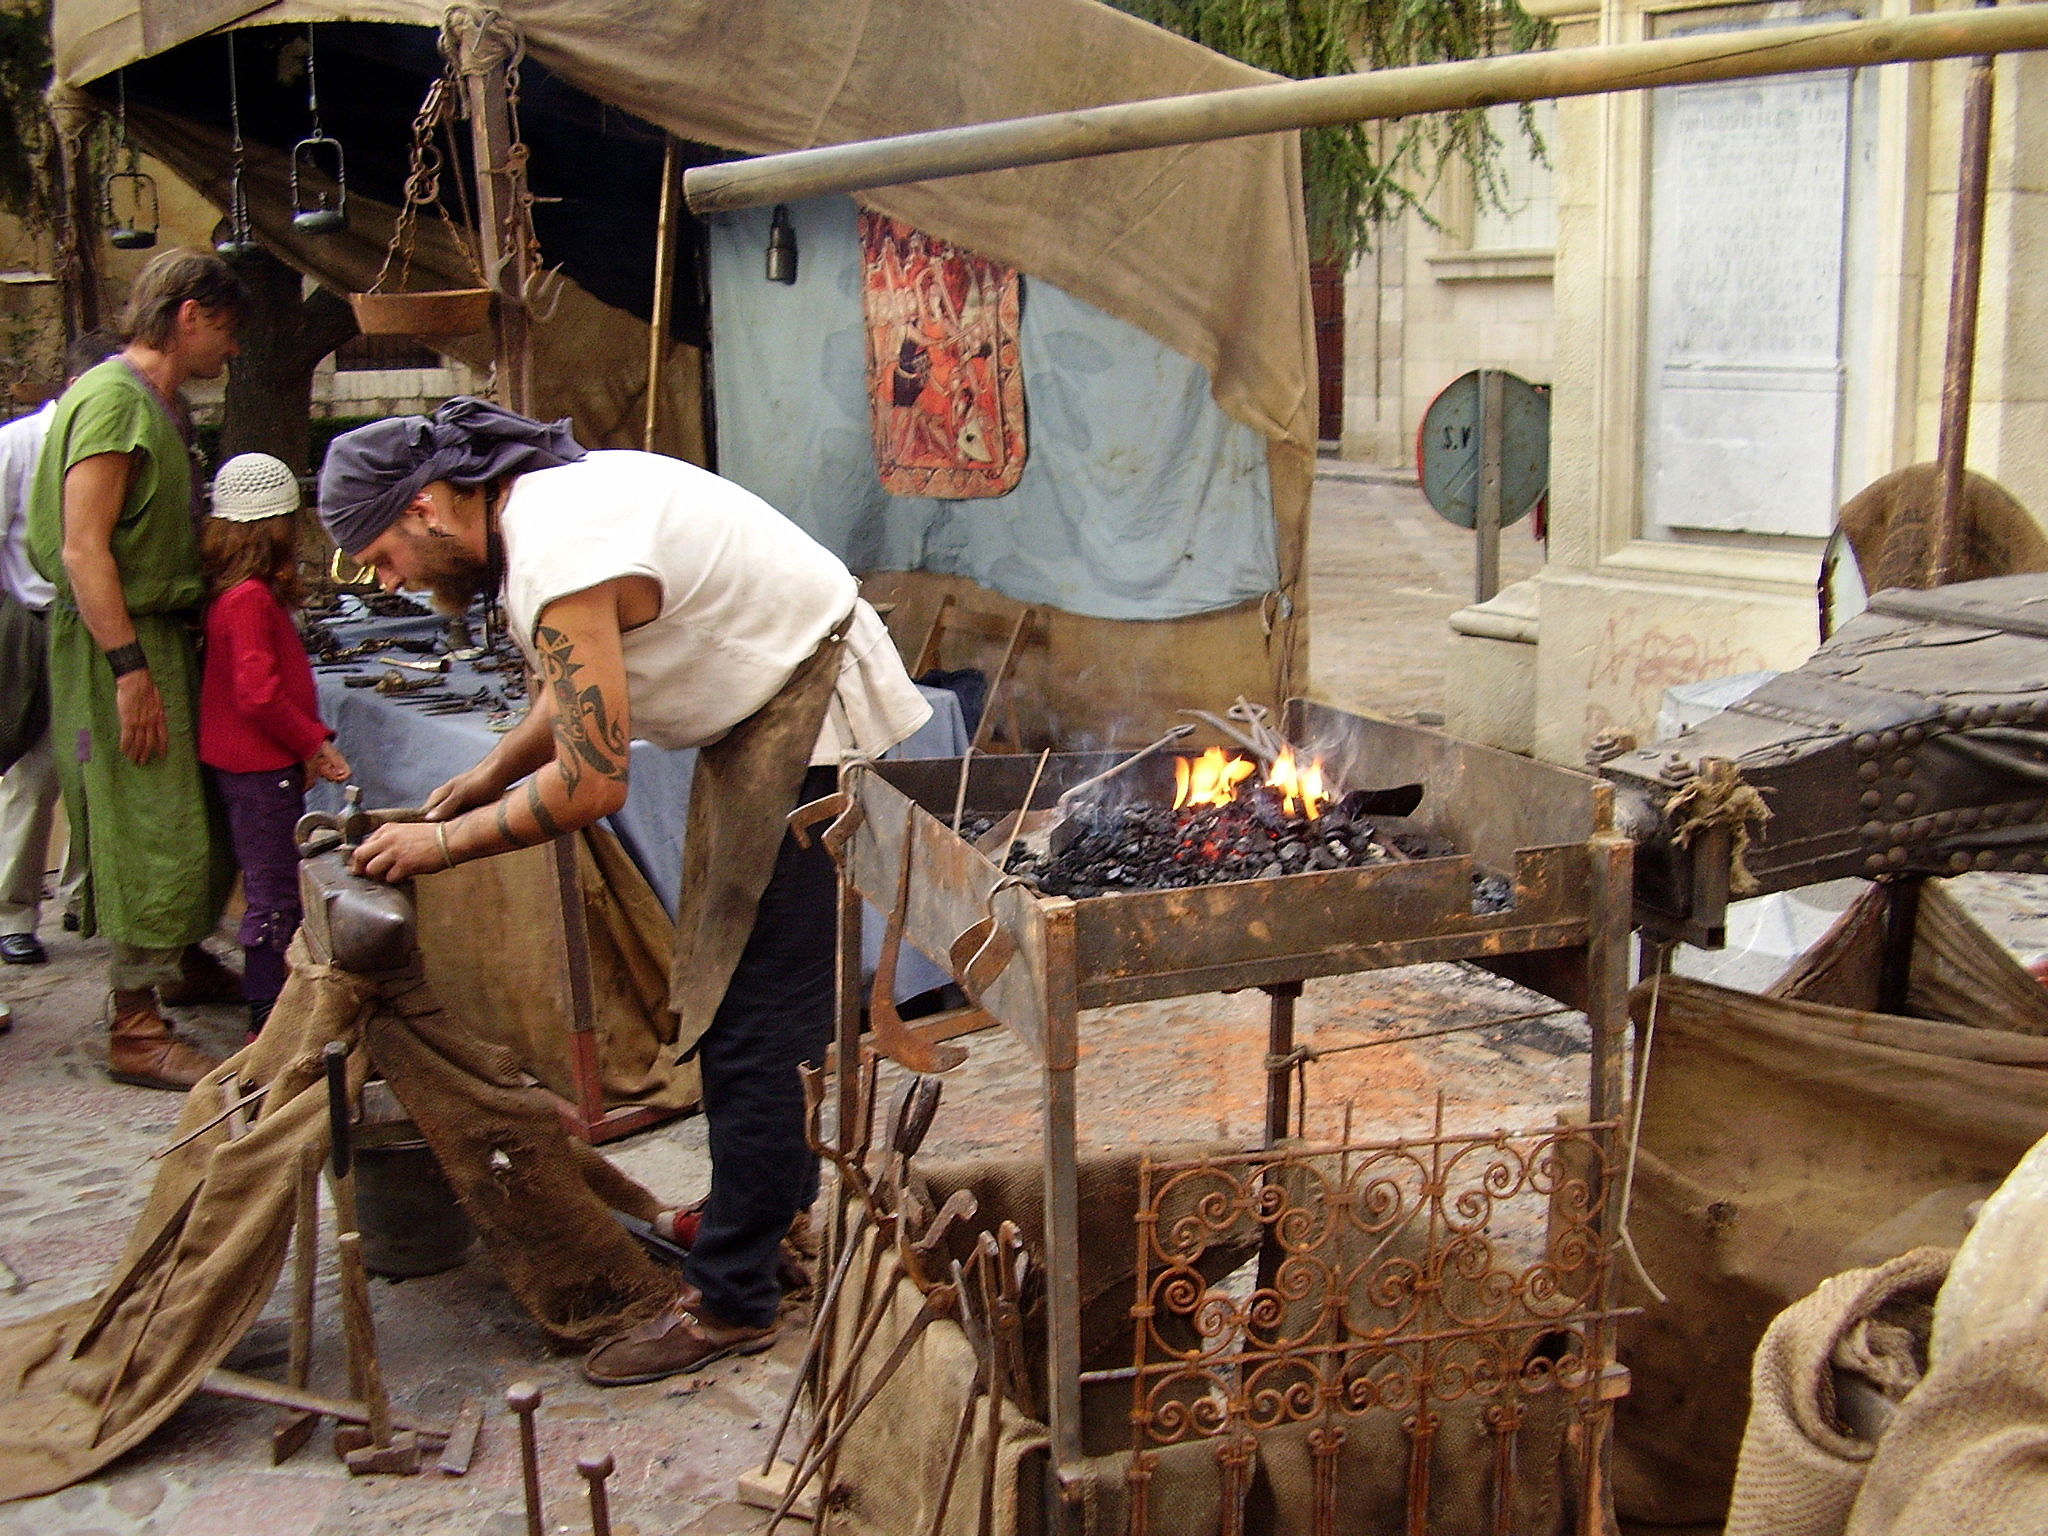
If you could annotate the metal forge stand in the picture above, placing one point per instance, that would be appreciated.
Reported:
(1035, 962)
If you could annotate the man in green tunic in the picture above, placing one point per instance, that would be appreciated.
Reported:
(112, 525)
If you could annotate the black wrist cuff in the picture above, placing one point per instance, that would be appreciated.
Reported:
(127, 658)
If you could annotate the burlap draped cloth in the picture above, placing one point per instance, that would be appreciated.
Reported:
(81, 1385)
(1965, 1452)
(744, 787)
(1788, 1137)
(1801, 1465)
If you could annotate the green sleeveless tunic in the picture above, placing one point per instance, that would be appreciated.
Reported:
(159, 866)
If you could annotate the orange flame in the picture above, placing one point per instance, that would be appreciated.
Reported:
(1212, 779)
(1301, 788)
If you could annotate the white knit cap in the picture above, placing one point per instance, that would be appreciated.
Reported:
(253, 486)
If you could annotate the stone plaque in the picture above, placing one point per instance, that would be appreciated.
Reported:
(1749, 202)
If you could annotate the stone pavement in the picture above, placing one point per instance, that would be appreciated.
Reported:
(1384, 574)
(74, 1166)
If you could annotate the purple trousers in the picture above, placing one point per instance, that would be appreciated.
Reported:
(262, 809)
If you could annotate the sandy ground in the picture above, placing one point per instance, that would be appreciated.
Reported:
(74, 1160)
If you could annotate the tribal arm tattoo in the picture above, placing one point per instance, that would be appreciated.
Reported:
(542, 816)
(589, 762)
(587, 737)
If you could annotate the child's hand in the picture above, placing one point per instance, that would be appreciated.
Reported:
(328, 763)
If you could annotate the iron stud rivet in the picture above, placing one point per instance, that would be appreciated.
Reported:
(1889, 741)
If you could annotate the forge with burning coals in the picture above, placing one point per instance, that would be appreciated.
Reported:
(1189, 873)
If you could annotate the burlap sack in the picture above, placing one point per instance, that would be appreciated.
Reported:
(1967, 1454)
(81, 1385)
(1801, 1465)
(1776, 1134)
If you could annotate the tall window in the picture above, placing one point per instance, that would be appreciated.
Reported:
(1526, 217)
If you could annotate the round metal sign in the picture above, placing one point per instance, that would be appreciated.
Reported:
(1447, 449)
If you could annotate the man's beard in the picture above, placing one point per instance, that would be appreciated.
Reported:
(450, 574)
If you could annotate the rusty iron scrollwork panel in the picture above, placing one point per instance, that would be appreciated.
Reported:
(1454, 1288)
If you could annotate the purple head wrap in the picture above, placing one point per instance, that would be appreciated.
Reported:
(372, 474)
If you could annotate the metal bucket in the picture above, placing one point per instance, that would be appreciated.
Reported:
(410, 1220)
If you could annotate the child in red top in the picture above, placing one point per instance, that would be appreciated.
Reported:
(260, 734)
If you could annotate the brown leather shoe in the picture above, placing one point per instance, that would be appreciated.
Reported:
(142, 1051)
(682, 1338)
(202, 979)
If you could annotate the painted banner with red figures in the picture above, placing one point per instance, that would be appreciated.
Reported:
(943, 376)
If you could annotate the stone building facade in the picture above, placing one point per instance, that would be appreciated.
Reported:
(1747, 311)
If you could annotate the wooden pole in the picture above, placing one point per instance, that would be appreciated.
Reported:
(1486, 509)
(1387, 93)
(1960, 366)
(664, 285)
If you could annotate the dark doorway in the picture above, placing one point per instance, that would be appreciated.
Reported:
(1326, 295)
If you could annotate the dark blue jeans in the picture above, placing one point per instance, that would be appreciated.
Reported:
(777, 1014)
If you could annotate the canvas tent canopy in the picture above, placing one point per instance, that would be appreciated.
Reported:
(1168, 360)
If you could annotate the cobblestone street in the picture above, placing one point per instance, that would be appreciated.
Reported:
(75, 1162)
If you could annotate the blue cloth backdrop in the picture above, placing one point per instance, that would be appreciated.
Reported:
(1140, 499)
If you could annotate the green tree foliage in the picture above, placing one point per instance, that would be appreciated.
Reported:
(24, 124)
(1358, 175)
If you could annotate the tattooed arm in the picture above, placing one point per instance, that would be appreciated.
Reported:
(581, 694)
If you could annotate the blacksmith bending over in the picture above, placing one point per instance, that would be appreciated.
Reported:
(654, 599)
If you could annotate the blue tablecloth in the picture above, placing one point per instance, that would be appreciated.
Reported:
(400, 754)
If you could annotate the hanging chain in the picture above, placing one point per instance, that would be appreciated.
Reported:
(423, 190)
(541, 280)
(238, 197)
(121, 120)
(312, 84)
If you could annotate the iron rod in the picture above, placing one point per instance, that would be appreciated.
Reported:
(1959, 367)
(1380, 94)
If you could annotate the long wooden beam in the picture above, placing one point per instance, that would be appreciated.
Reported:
(1386, 93)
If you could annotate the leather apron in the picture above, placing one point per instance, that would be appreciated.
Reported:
(745, 785)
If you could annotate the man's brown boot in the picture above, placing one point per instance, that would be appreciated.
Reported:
(202, 978)
(142, 1051)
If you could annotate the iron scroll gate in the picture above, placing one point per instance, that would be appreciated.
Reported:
(1467, 1322)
